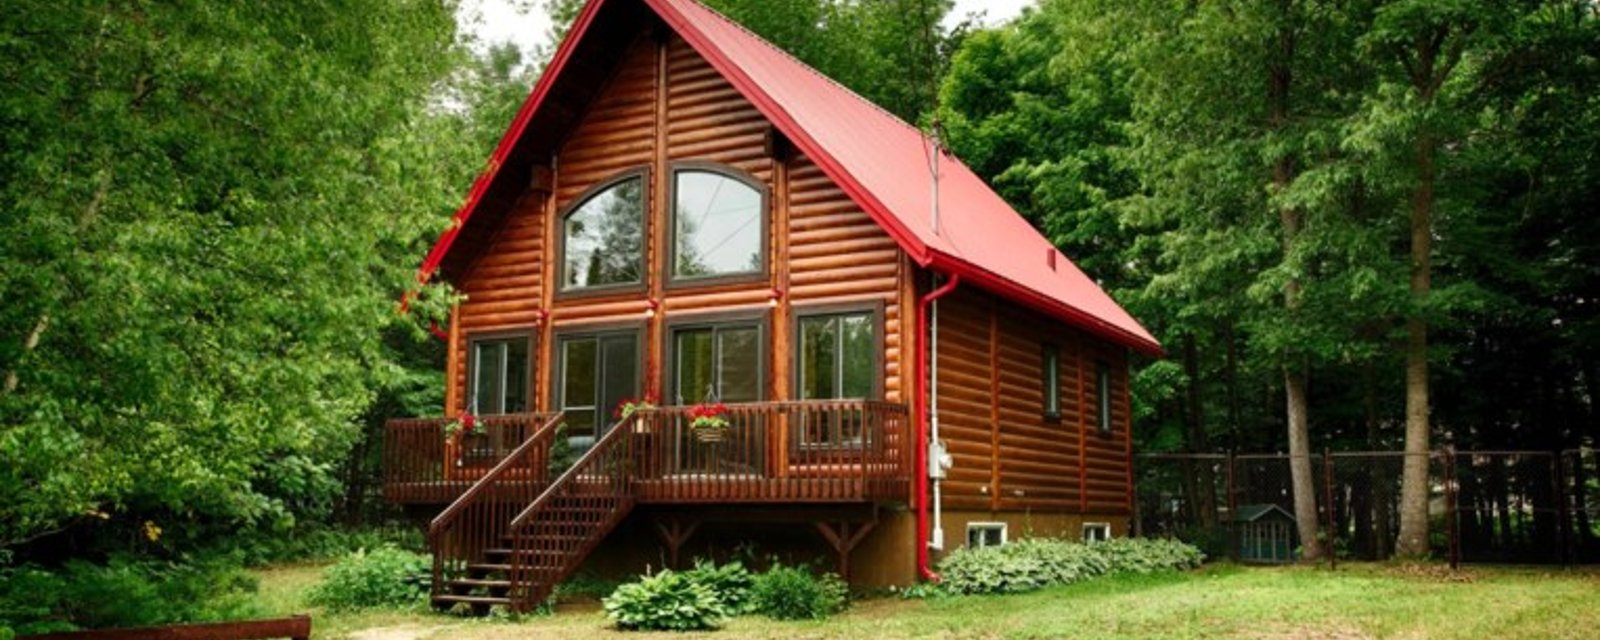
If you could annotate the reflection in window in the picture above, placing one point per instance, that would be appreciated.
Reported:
(719, 362)
(717, 226)
(1102, 380)
(1050, 380)
(603, 238)
(837, 360)
(499, 378)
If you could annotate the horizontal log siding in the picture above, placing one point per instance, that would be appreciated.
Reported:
(1040, 463)
(837, 253)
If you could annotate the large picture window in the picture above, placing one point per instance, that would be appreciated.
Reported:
(498, 378)
(718, 225)
(602, 238)
(719, 362)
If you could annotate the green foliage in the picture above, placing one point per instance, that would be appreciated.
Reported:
(666, 601)
(125, 592)
(312, 543)
(731, 582)
(1035, 563)
(794, 593)
(382, 577)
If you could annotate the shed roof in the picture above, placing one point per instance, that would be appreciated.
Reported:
(1254, 512)
(880, 161)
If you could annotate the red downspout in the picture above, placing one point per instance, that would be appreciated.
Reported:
(924, 569)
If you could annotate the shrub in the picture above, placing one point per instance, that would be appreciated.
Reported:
(1033, 563)
(124, 592)
(731, 583)
(792, 593)
(666, 601)
(383, 577)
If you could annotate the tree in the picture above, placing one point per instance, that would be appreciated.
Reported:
(210, 213)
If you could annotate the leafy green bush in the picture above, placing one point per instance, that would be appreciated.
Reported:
(666, 601)
(792, 593)
(731, 583)
(124, 592)
(1033, 563)
(383, 577)
(314, 542)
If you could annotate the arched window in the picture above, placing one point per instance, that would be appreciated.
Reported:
(718, 225)
(602, 238)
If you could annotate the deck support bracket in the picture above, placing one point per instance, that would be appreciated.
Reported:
(675, 532)
(844, 536)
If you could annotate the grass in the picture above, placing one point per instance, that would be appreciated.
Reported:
(1357, 601)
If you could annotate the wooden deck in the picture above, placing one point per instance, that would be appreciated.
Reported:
(778, 452)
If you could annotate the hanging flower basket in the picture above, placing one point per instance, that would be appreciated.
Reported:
(709, 422)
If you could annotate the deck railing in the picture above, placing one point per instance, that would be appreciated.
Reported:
(812, 451)
(425, 462)
(477, 521)
(558, 529)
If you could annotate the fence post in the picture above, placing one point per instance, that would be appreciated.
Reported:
(1233, 510)
(1327, 496)
(1451, 491)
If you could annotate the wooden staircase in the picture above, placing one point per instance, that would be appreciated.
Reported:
(486, 555)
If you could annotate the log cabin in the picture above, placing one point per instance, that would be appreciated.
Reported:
(897, 363)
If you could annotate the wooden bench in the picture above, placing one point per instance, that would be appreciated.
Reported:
(296, 628)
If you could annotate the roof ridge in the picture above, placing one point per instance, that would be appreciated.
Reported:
(808, 68)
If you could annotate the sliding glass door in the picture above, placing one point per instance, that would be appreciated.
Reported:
(596, 371)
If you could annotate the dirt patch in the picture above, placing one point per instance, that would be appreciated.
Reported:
(1433, 573)
(1284, 631)
(402, 632)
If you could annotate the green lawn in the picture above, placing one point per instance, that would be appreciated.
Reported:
(1357, 601)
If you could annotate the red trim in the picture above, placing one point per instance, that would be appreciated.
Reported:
(1010, 289)
(509, 140)
(923, 425)
(785, 123)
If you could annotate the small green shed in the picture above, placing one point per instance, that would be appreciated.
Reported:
(1265, 534)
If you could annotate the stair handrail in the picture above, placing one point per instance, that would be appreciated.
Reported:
(464, 547)
(450, 513)
(530, 582)
(620, 430)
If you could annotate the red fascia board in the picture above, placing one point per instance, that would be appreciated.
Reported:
(1039, 302)
(785, 123)
(530, 106)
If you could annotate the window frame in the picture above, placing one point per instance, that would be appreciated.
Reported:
(761, 320)
(874, 310)
(1103, 527)
(562, 292)
(1103, 383)
(987, 526)
(670, 277)
(558, 363)
(470, 395)
(1050, 381)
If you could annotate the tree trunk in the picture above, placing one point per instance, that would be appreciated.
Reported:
(1204, 497)
(1296, 369)
(1413, 542)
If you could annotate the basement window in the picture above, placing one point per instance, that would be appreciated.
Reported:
(985, 534)
(1096, 531)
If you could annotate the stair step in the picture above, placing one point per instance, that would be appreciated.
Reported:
(480, 600)
(474, 583)
(523, 552)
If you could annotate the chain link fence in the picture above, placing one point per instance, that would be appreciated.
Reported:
(1525, 507)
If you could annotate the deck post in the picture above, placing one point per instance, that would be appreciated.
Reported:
(675, 532)
(844, 537)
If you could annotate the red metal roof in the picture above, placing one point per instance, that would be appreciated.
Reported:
(880, 161)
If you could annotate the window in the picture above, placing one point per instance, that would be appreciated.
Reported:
(602, 238)
(836, 359)
(499, 368)
(1050, 379)
(718, 225)
(597, 372)
(718, 361)
(1096, 531)
(1102, 388)
(985, 534)
(838, 356)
